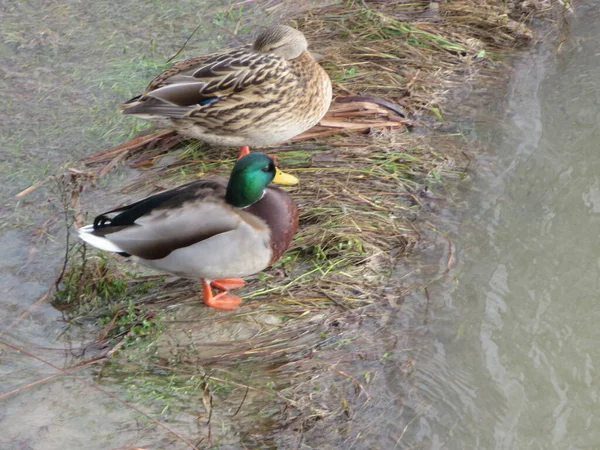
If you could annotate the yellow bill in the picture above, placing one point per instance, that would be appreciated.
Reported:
(284, 178)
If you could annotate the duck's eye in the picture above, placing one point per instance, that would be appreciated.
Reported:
(269, 168)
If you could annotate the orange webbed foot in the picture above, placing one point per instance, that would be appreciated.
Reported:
(224, 300)
(228, 284)
(244, 150)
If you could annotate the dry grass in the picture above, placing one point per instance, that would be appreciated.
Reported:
(358, 190)
(359, 196)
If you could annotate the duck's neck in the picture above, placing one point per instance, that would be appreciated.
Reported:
(242, 196)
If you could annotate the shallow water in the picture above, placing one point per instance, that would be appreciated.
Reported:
(502, 356)
(514, 357)
(65, 67)
(502, 353)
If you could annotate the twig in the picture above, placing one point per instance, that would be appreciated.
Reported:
(33, 187)
(104, 391)
(353, 379)
(379, 101)
(451, 255)
(184, 44)
(65, 372)
(243, 400)
(111, 165)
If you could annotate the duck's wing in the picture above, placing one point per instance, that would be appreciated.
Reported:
(192, 88)
(155, 226)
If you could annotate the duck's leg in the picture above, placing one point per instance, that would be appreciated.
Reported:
(228, 284)
(224, 300)
(244, 150)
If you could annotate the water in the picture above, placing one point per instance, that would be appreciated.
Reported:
(514, 359)
(63, 66)
(504, 354)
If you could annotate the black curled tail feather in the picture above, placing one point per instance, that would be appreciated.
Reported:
(102, 221)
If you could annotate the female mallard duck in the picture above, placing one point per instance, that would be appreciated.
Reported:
(260, 94)
(206, 229)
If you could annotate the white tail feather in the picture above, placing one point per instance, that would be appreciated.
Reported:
(102, 243)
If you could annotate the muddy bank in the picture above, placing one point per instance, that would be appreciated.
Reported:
(304, 359)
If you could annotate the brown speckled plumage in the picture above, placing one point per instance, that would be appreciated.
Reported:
(255, 95)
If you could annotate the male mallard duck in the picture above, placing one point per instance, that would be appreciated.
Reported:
(260, 94)
(206, 229)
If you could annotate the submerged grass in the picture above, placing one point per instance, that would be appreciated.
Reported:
(359, 197)
(90, 291)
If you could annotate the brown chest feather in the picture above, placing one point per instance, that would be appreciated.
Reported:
(280, 213)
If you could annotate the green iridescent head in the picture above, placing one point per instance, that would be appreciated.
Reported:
(250, 177)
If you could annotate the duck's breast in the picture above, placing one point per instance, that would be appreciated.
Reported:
(280, 213)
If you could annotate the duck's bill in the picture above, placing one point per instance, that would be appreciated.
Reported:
(285, 178)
